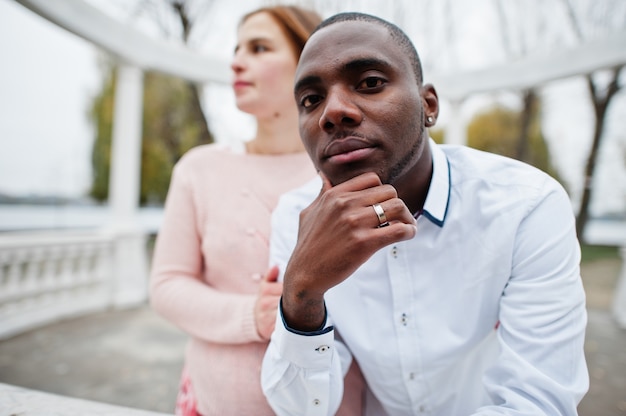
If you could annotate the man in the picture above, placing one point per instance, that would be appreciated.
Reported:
(450, 275)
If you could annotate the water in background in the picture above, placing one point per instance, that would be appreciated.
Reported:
(28, 217)
(24, 217)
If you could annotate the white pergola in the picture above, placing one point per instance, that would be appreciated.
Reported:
(137, 53)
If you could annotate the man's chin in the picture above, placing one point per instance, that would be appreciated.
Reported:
(336, 178)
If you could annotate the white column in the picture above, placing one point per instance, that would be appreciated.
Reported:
(619, 296)
(456, 129)
(126, 146)
(130, 271)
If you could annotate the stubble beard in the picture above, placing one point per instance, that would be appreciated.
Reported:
(400, 168)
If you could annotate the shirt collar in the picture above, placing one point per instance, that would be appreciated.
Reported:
(438, 198)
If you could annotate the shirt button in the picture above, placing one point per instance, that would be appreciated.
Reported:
(404, 319)
(322, 349)
(422, 409)
(394, 252)
(316, 402)
(411, 376)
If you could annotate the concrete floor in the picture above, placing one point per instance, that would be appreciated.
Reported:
(133, 358)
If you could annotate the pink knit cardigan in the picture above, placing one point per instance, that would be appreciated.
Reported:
(210, 252)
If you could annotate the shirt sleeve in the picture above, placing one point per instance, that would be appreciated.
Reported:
(302, 374)
(541, 368)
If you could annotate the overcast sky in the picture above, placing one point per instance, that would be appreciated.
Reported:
(48, 77)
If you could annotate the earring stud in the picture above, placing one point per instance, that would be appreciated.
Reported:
(430, 119)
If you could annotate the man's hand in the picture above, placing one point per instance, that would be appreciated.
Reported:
(338, 232)
(266, 305)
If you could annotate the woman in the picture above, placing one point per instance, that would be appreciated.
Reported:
(209, 270)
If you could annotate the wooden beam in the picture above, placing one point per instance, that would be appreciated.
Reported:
(138, 49)
(535, 71)
(128, 44)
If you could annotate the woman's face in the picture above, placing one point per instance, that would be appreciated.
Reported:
(264, 65)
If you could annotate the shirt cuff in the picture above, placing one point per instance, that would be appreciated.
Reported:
(322, 330)
(308, 350)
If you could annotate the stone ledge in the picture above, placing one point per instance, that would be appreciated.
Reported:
(25, 402)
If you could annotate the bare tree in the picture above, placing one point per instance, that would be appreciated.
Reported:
(181, 9)
(601, 97)
(530, 100)
(179, 19)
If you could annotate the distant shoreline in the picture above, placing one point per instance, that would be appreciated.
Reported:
(35, 217)
(609, 231)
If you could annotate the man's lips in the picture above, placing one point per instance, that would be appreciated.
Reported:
(350, 149)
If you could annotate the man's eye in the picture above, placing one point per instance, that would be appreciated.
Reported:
(310, 100)
(371, 82)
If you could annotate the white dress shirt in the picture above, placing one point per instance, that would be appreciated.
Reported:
(481, 313)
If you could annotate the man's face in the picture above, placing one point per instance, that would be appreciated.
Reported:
(359, 104)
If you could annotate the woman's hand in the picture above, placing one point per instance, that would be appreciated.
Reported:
(266, 305)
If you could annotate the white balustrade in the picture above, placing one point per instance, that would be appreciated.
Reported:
(16, 400)
(47, 276)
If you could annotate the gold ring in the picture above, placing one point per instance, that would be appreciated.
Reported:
(380, 213)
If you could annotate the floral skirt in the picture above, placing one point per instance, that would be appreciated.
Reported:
(186, 403)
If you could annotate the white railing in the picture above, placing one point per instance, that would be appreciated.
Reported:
(48, 276)
(20, 401)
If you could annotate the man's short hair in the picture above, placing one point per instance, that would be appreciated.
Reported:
(396, 33)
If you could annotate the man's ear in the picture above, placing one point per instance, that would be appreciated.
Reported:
(430, 101)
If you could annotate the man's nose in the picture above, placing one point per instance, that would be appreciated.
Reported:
(339, 109)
